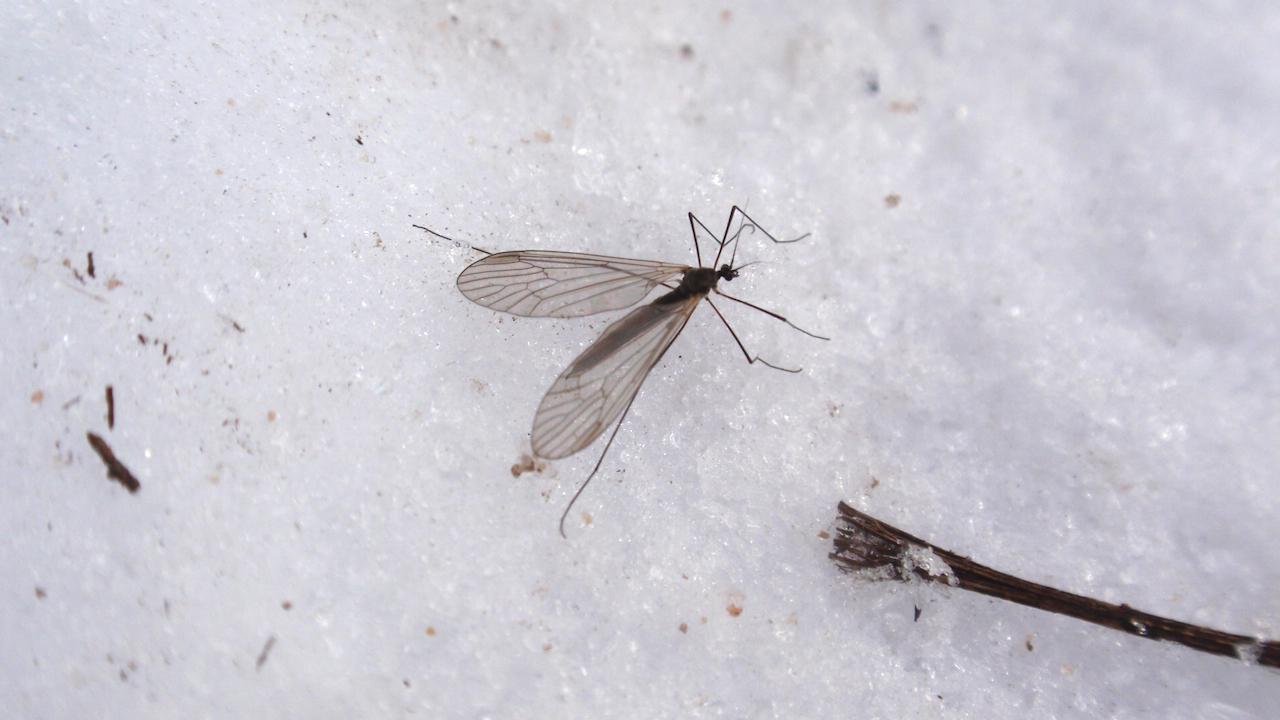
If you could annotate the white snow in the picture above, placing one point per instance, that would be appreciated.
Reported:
(1057, 352)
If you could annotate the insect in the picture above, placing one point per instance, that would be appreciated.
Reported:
(600, 384)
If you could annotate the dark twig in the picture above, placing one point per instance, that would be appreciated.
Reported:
(115, 469)
(863, 543)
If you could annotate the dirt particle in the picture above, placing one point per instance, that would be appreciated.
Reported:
(542, 136)
(546, 647)
(271, 416)
(37, 397)
(684, 628)
(286, 605)
(360, 141)
(90, 269)
(111, 408)
(431, 631)
(40, 593)
(824, 535)
(903, 107)
(1030, 644)
(66, 263)
(686, 51)
(527, 463)
(586, 518)
(734, 610)
(891, 200)
(266, 652)
(113, 283)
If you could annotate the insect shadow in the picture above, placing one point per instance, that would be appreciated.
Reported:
(600, 384)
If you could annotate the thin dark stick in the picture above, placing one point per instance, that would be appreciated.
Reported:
(111, 408)
(865, 543)
(266, 652)
(115, 469)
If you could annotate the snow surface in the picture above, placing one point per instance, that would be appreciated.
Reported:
(1056, 349)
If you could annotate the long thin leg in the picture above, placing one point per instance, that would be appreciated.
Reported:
(771, 314)
(754, 224)
(455, 242)
(595, 469)
(750, 360)
(696, 250)
(719, 239)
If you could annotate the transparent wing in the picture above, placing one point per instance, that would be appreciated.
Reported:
(543, 283)
(591, 393)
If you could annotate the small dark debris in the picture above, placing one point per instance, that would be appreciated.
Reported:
(824, 535)
(66, 263)
(871, 82)
(40, 593)
(891, 200)
(918, 612)
(67, 405)
(142, 339)
(686, 51)
(1030, 645)
(111, 408)
(237, 326)
(115, 469)
(90, 269)
(266, 651)
(406, 682)
(359, 140)
(286, 605)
